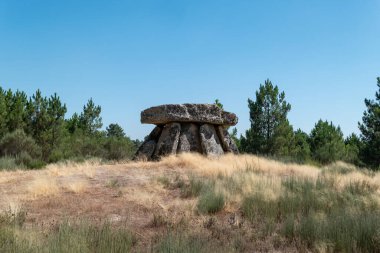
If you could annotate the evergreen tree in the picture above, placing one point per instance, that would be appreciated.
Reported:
(370, 130)
(326, 142)
(268, 114)
(235, 138)
(353, 147)
(56, 112)
(301, 149)
(90, 120)
(72, 124)
(16, 110)
(115, 130)
(283, 140)
(37, 118)
(3, 114)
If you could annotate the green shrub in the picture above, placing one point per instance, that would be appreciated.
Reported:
(210, 202)
(180, 242)
(87, 238)
(193, 189)
(119, 148)
(8, 163)
(17, 142)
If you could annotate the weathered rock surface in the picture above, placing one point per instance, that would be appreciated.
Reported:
(181, 128)
(146, 150)
(210, 141)
(226, 140)
(196, 113)
(155, 134)
(189, 138)
(168, 142)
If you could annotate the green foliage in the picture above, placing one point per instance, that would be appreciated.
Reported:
(301, 148)
(90, 120)
(3, 113)
(15, 143)
(33, 132)
(282, 142)
(235, 138)
(353, 147)
(268, 116)
(69, 238)
(115, 130)
(217, 102)
(119, 148)
(175, 241)
(315, 213)
(210, 202)
(193, 189)
(9, 163)
(326, 142)
(370, 130)
(16, 110)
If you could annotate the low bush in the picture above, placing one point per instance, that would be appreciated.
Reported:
(210, 202)
(8, 163)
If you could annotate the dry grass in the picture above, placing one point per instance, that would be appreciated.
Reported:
(229, 164)
(77, 185)
(83, 190)
(43, 186)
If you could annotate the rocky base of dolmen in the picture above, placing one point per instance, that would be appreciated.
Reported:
(181, 128)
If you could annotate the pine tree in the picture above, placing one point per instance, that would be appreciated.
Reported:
(90, 120)
(115, 130)
(3, 114)
(301, 149)
(370, 130)
(16, 110)
(353, 147)
(267, 113)
(326, 142)
(56, 112)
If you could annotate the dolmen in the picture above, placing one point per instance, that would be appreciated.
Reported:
(181, 128)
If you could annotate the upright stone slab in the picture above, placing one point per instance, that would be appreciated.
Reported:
(189, 138)
(146, 150)
(155, 134)
(209, 140)
(168, 141)
(226, 140)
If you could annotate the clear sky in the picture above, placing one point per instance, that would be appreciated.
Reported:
(130, 55)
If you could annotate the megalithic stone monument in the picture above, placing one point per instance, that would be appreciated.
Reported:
(181, 128)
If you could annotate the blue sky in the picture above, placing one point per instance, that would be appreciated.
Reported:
(130, 55)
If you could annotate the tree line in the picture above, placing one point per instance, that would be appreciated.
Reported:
(271, 134)
(34, 131)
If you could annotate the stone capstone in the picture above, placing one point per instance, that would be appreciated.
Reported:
(182, 128)
(195, 113)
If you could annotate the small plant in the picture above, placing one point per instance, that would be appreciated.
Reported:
(181, 242)
(159, 220)
(13, 216)
(210, 202)
(8, 163)
(113, 183)
(193, 189)
(165, 181)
